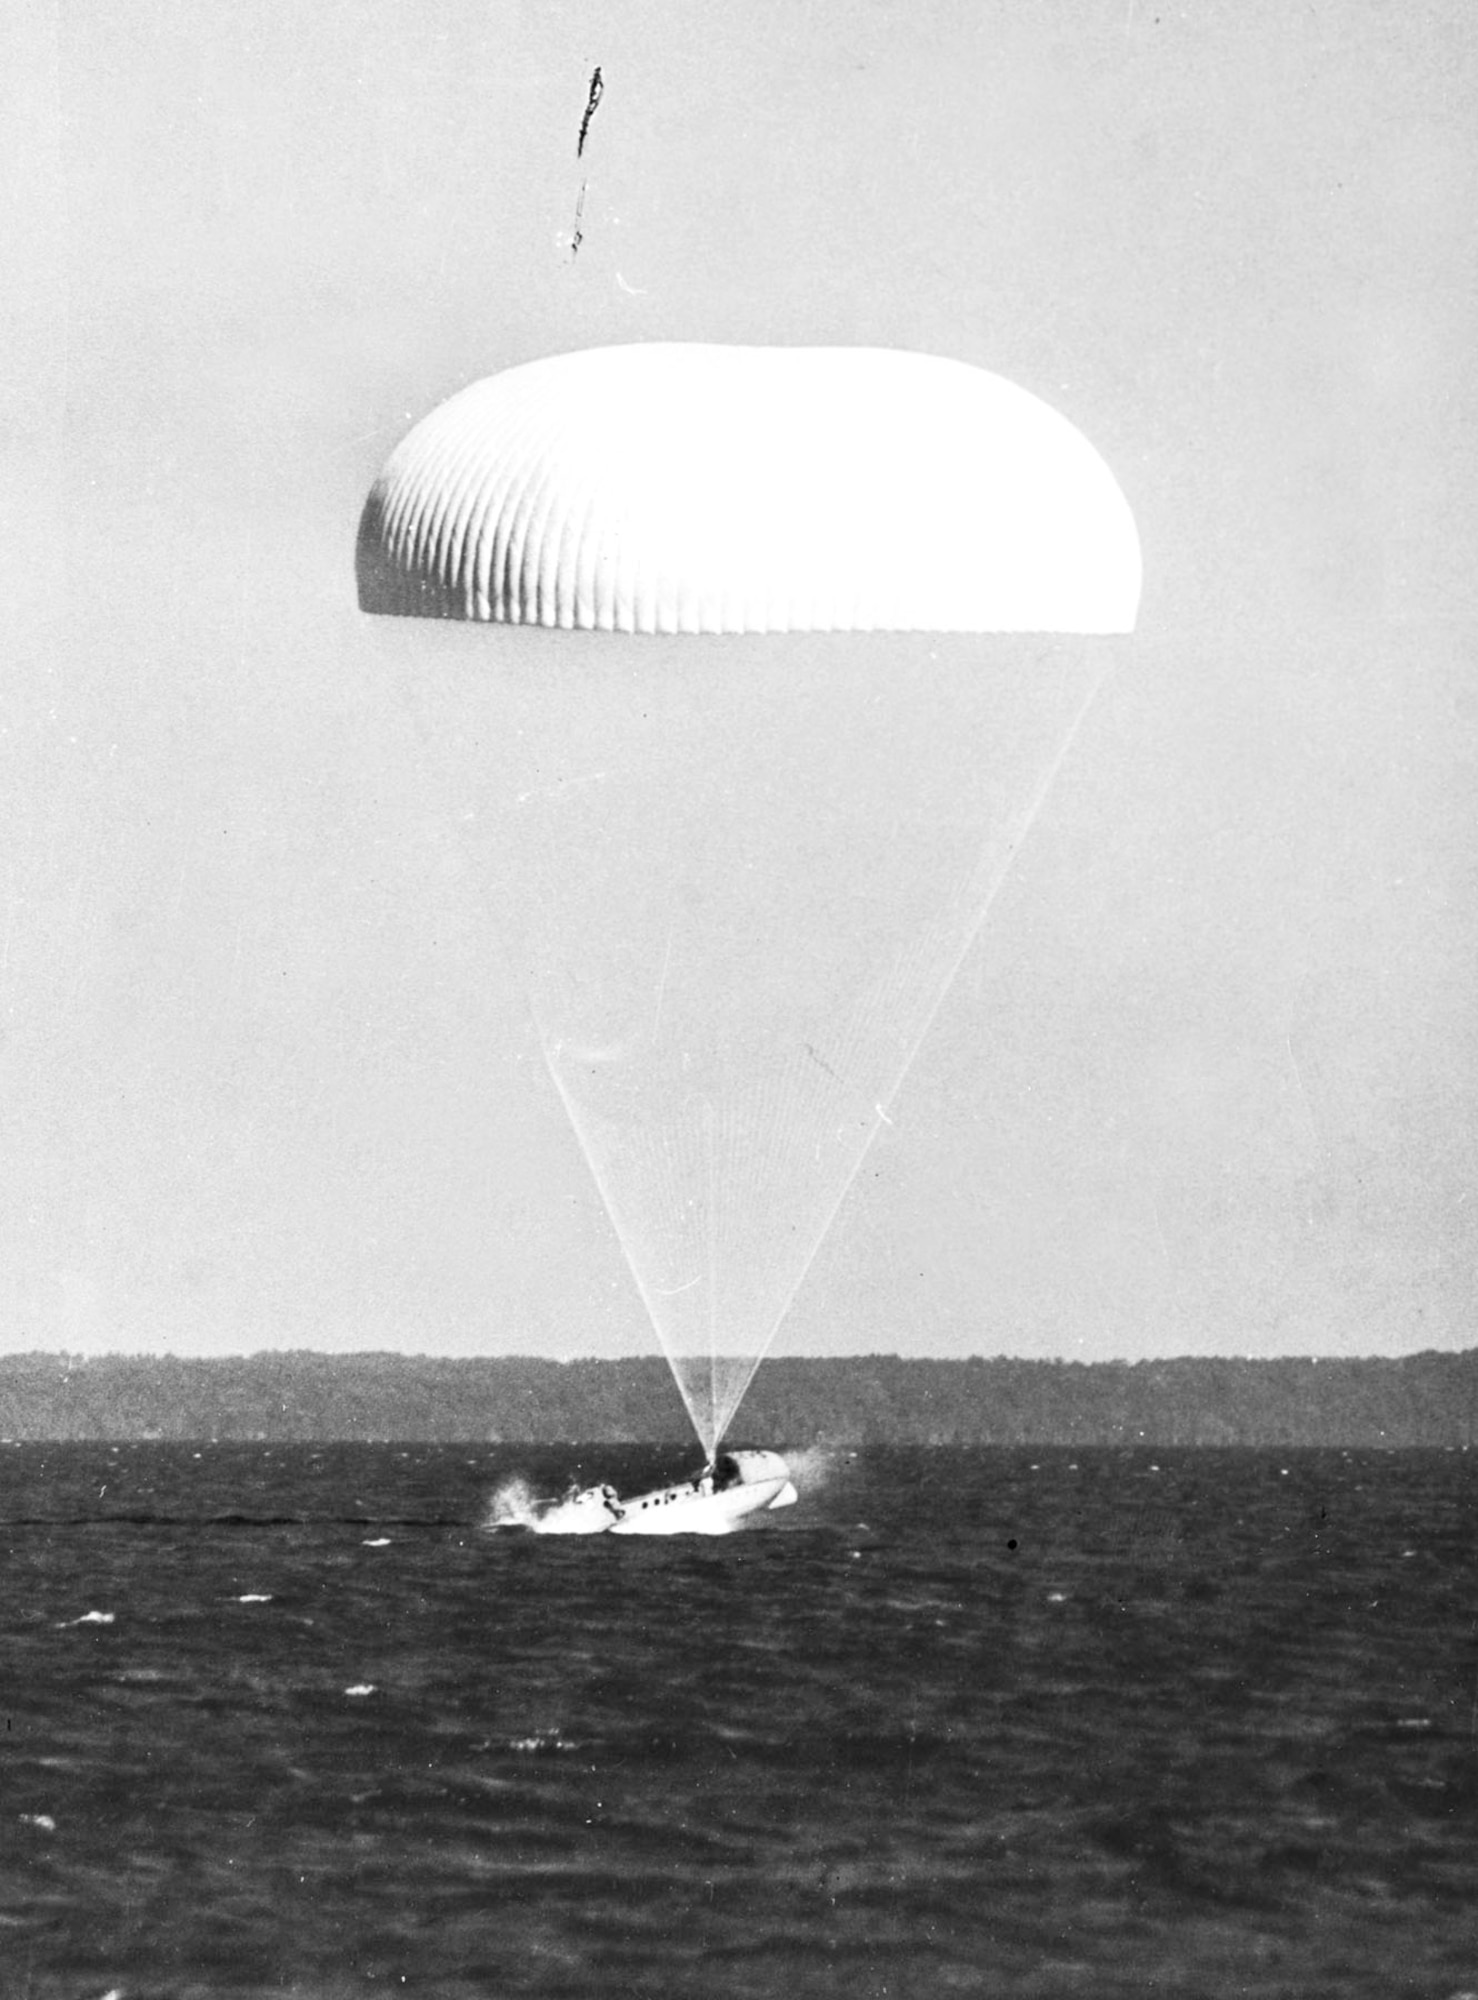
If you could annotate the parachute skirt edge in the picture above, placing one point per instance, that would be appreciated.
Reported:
(691, 490)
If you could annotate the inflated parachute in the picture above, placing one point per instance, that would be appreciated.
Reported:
(738, 873)
(729, 489)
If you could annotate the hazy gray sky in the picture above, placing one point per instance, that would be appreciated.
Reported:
(1206, 1085)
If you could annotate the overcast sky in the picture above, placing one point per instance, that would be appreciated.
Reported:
(1206, 1083)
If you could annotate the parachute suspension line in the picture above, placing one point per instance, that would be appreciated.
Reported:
(598, 1162)
(732, 1199)
(953, 932)
(915, 989)
(671, 1150)
(640, 1174)
(785, 1109)
(534, 826)
(683, 1193)
(710, 1231)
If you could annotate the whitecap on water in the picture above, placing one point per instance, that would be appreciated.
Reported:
(361, 1688)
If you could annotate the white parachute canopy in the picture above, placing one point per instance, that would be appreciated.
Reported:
(738, 489)
(738, 875)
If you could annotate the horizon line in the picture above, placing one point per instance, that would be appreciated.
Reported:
(75, 1356)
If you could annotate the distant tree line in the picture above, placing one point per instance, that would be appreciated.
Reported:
(1420, 1399)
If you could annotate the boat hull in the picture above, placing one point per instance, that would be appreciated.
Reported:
(747, 1483)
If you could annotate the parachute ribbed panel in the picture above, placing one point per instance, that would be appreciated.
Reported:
(705, 489)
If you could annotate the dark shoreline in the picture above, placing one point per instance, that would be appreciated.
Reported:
(1427, 1399)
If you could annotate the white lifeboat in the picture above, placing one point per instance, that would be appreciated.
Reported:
(736, 1485)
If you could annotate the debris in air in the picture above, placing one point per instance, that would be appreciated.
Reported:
(597, 87)
(577, 235)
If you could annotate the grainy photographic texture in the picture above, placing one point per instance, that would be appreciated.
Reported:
(344, 955)
(282, 1720)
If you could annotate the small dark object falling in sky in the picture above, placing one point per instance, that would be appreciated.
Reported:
(597, 88)
(597, 85)
(578, 236)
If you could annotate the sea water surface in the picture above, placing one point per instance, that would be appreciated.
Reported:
(286, 1720)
